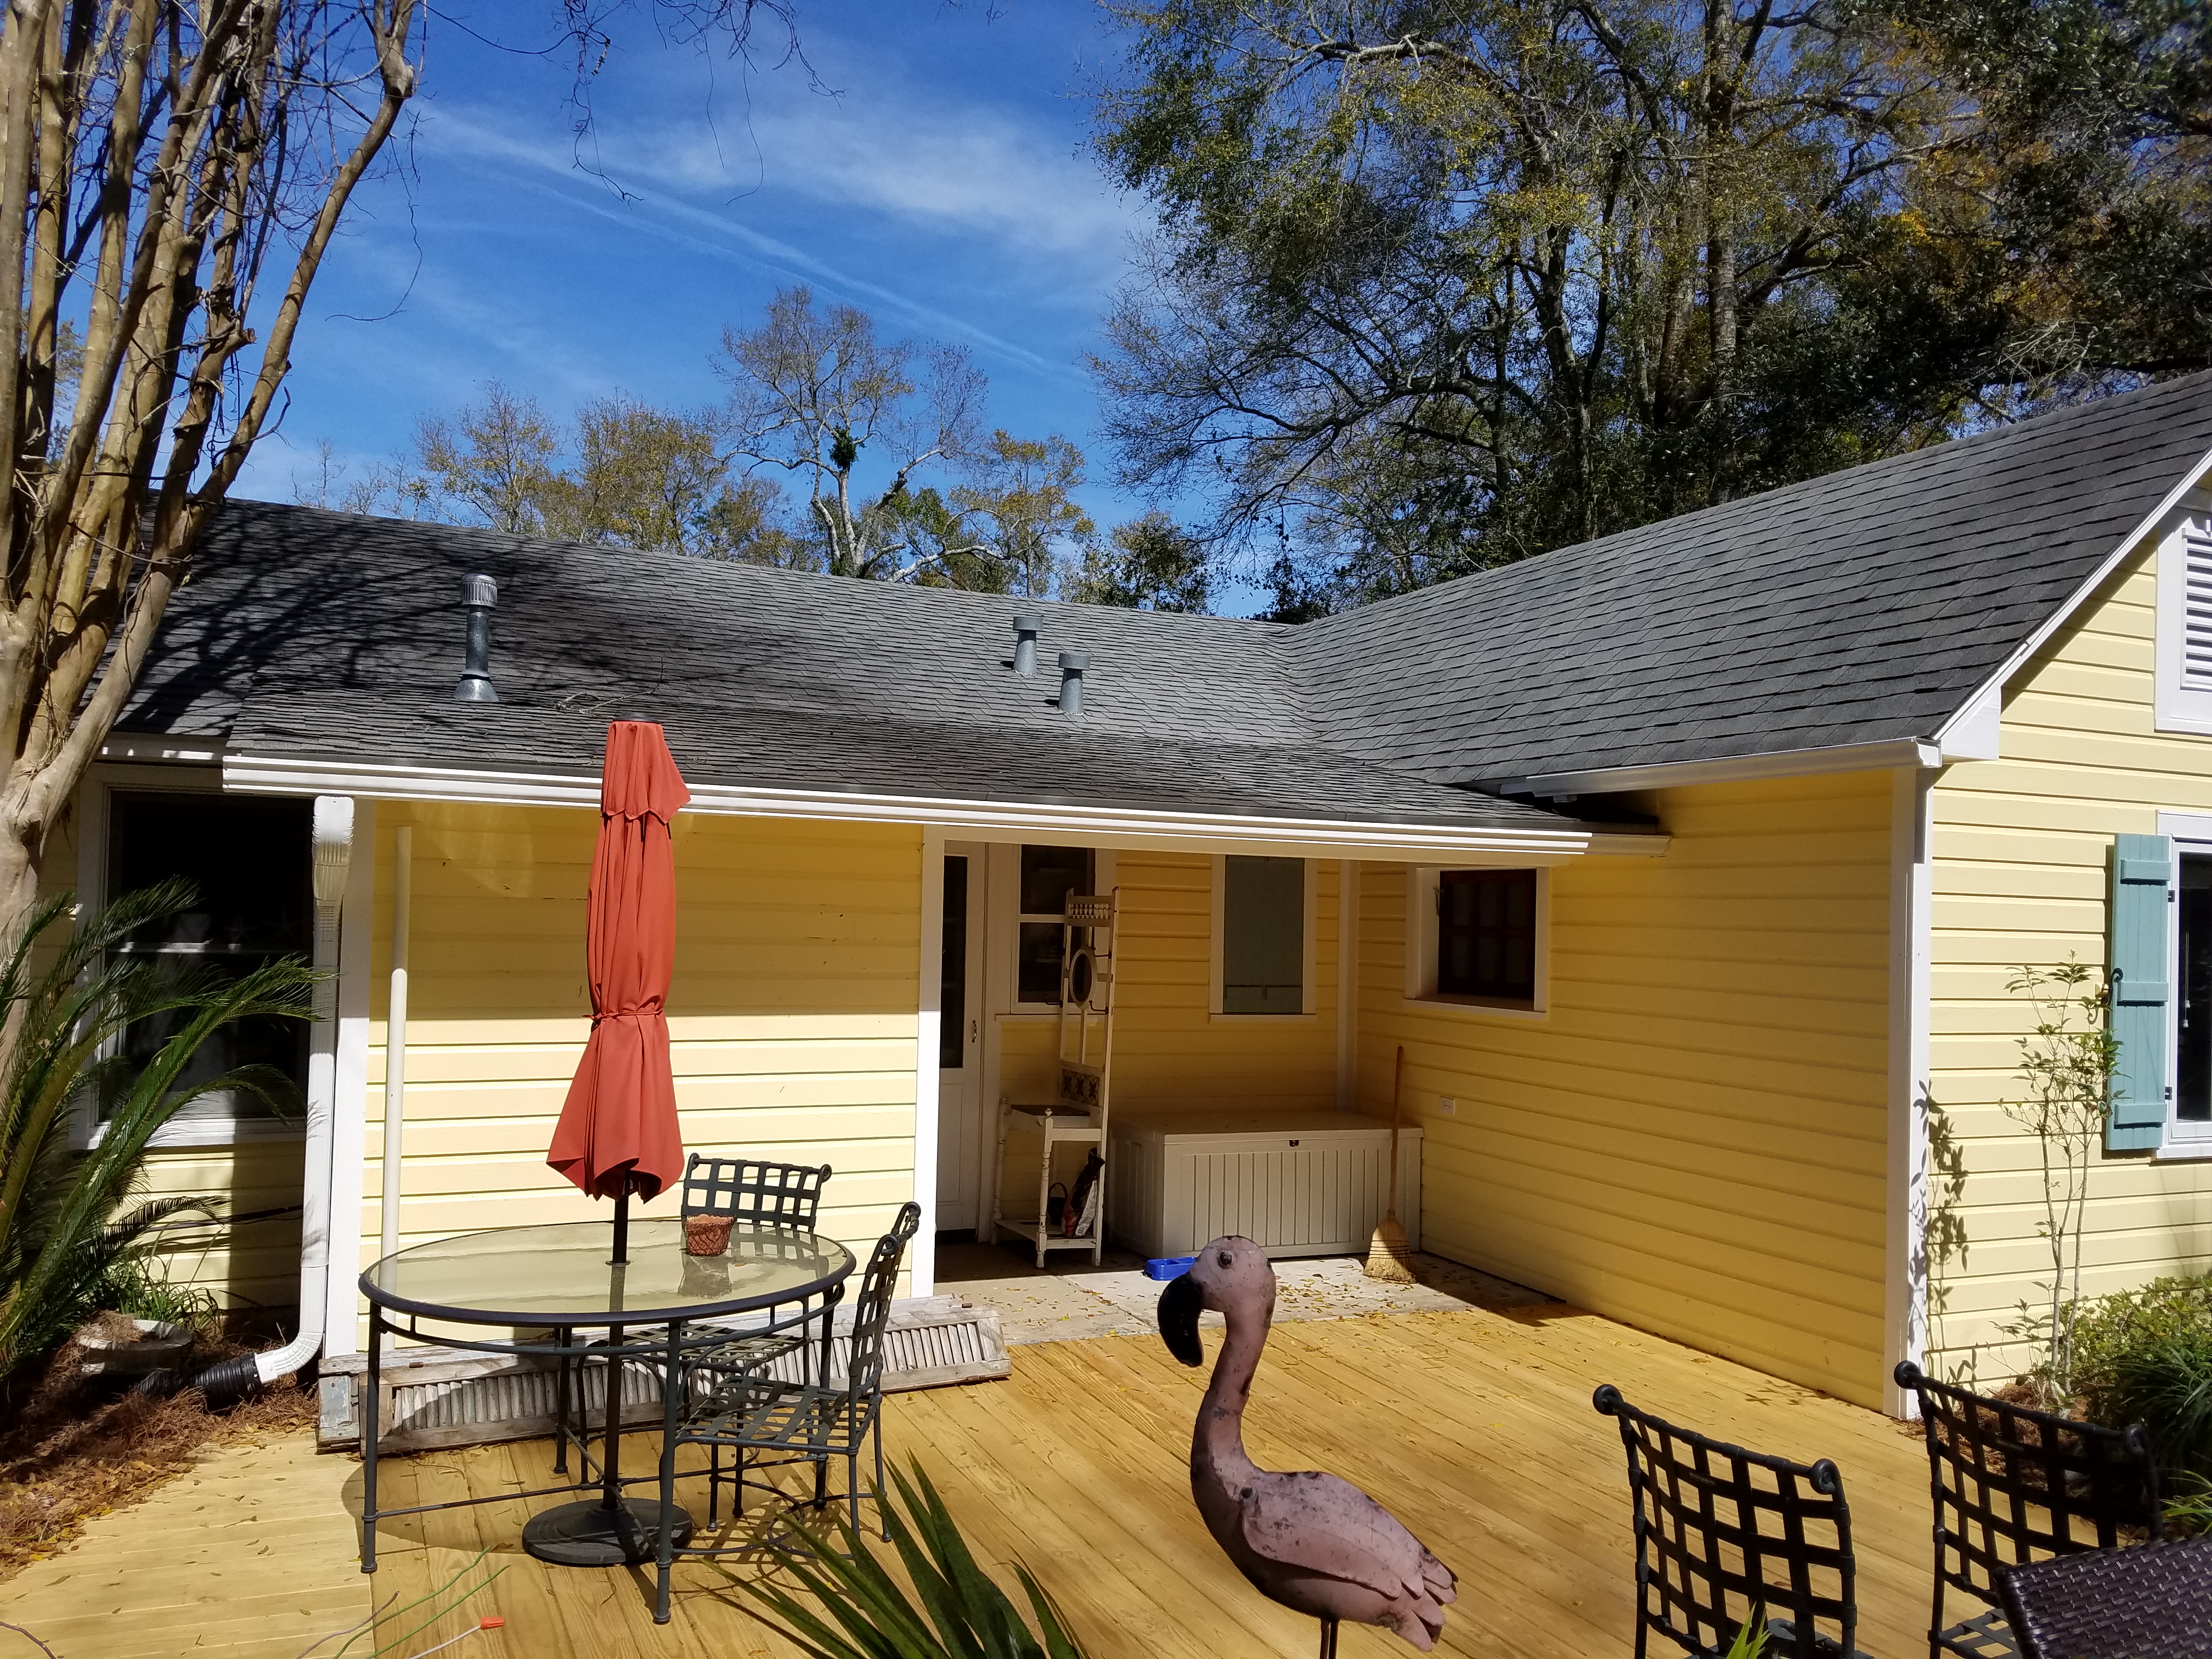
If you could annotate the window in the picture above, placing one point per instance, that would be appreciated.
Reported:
(2183, 699)
(1048, 875)
(248, 859)
(1486, 935)
(1261, 933)
(2192, 1091)
(1476, 937)
(953, 995)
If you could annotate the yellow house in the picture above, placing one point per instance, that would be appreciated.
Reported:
(1687, 867)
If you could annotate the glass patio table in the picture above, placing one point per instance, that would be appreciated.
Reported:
(561, 1279)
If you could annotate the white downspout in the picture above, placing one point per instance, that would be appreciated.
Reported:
(333, 849)
(395, 1039)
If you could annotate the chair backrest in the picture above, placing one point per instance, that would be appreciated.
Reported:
(872, 1312)
(2151, 1602)
(747, 1190)
(2013, 1485)
(1724, 1536)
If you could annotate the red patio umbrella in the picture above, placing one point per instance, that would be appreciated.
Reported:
(618, 1132)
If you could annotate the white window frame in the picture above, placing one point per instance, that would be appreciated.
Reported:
(2176, 706)
(92, 810)
(1422, 881)
(1004, 924)
(2192, 835)
(1217, 948)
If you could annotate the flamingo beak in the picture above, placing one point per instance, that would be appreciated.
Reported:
(1181, 1303)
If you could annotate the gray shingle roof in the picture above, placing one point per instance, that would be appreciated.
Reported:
(1856, 608)
(319, 635)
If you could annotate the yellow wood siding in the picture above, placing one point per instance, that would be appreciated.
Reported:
(1691, 1137)
(1170, 1054)
(2021, 850)
(793, 1015)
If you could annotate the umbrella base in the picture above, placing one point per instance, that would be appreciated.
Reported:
(590, 1534)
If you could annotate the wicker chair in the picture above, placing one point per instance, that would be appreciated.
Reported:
(2153, 1602)
(2012, 1485)
(1725, 1535)
(768, 1422)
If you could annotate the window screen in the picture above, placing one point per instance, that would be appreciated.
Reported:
(2192, 1091)
(249, 861)
(1263, 945)
(1050, 874)
(1486, 935)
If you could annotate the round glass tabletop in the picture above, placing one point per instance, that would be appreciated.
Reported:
(560, 1275)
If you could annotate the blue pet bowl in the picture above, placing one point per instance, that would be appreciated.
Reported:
(1169, 1267)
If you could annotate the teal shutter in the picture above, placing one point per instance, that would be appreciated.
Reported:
(2143, 875)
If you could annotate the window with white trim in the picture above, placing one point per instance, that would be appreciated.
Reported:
(1478, 937)
(1263, 928)
(1048, 875)
(2182, 699)
(248, 859)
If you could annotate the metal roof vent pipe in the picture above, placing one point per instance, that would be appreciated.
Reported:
(480, 594)
(1025, 633)
(1072, 665)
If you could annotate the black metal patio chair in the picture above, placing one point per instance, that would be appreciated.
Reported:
(2012, 1484)
(756, 1191)
(2153, 1601)
(1725, 1536)
(768, 1423)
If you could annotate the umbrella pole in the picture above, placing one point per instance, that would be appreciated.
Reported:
(621, 1257)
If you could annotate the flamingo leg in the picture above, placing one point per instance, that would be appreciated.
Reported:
(1328, 1639)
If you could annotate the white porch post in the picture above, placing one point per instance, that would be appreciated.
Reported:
(350, 1118)
(922, 1262)
(1911, 891)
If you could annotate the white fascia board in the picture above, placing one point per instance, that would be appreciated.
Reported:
(1993, 686)
(1887, 754)
(1032, 821)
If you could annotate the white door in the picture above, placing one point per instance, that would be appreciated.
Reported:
(960, 1040)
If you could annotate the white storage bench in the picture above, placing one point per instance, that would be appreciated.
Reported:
(1296, 1183)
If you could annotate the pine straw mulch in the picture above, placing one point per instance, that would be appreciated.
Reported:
(74, 1447)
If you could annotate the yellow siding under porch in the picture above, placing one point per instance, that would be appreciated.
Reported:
(793, 1015)
(1171, 1055)
(2021, 849)
(1691, 1137)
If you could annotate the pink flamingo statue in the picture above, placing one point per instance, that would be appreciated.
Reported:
(1314, 1543)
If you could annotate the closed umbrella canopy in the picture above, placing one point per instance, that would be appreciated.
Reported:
(618, 1132)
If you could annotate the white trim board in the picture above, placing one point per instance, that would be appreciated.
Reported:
(1030, 821)
(1912, 904)
(921, 1257)
(1888, 753)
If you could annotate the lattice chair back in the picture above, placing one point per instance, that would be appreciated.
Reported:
(871, 1310)
(1724, 1536)
(747, 1190)
(2013, 1485)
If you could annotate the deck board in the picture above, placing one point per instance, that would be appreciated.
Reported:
(1475, 1428)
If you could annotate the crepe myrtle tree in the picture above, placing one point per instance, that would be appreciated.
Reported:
(171, 177)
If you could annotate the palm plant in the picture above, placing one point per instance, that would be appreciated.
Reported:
(955, 1612)
(65, 1227)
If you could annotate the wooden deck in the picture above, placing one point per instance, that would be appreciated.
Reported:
(1475, 1428)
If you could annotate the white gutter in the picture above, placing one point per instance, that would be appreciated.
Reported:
(1890, 752)
(1032, 821)
(333, 850)
(389, 1165)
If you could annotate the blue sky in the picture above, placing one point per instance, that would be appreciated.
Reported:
(944, 188)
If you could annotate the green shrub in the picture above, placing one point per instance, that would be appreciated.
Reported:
(2145, 1357)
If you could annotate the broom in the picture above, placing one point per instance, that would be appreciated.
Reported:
(1388, 1252)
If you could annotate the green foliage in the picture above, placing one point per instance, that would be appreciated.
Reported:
(1147, 564)
(138, 1284)
(1437, 287)
(1750, 1638)
(2067, 1062)
(954, 1611)
(64, 1232)
(2145, 1355)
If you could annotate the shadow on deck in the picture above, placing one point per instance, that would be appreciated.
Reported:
(1474, 1426)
